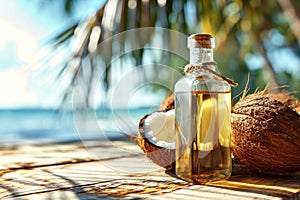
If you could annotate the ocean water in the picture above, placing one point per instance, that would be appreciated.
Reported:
(46, 125)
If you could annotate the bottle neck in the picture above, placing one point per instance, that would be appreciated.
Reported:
(201, 55)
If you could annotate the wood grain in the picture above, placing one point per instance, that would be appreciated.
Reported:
(74, 171)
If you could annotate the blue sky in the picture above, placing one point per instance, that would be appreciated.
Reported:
(25, 27)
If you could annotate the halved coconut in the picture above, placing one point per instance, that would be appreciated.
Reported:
(157, 138)
(159, 129)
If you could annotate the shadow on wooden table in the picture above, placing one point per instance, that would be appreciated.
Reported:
(68, 171)
(243, 180)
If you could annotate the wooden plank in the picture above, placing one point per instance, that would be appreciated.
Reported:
(90, 176)
(28, 155)
(63, 171)
(98, 179)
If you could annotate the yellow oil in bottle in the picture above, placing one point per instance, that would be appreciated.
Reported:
(203, 135)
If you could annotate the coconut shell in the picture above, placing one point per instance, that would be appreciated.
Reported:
(160, 156)
(266, 134)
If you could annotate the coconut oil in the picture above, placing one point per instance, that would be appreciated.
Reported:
(203, 136)
(202, 115)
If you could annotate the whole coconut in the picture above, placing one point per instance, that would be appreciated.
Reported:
(266, 133)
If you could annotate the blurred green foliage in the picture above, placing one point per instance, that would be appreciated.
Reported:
(260, 37)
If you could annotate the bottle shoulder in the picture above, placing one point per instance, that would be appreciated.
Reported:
(201, 83)
(183, 84)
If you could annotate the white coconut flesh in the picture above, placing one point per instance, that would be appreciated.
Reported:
(159, 129)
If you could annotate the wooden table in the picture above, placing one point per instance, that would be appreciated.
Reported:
(117, 169)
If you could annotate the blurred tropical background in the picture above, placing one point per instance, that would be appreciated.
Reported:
(64, 57)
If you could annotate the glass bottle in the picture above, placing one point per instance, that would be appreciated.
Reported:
(202, 113)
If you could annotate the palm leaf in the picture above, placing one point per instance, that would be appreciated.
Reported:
(234, 23)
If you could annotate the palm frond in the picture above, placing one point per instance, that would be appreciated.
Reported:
(237, 25)
(62, 38)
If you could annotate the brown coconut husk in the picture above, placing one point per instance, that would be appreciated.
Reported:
(285, 98)
(265, 134)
